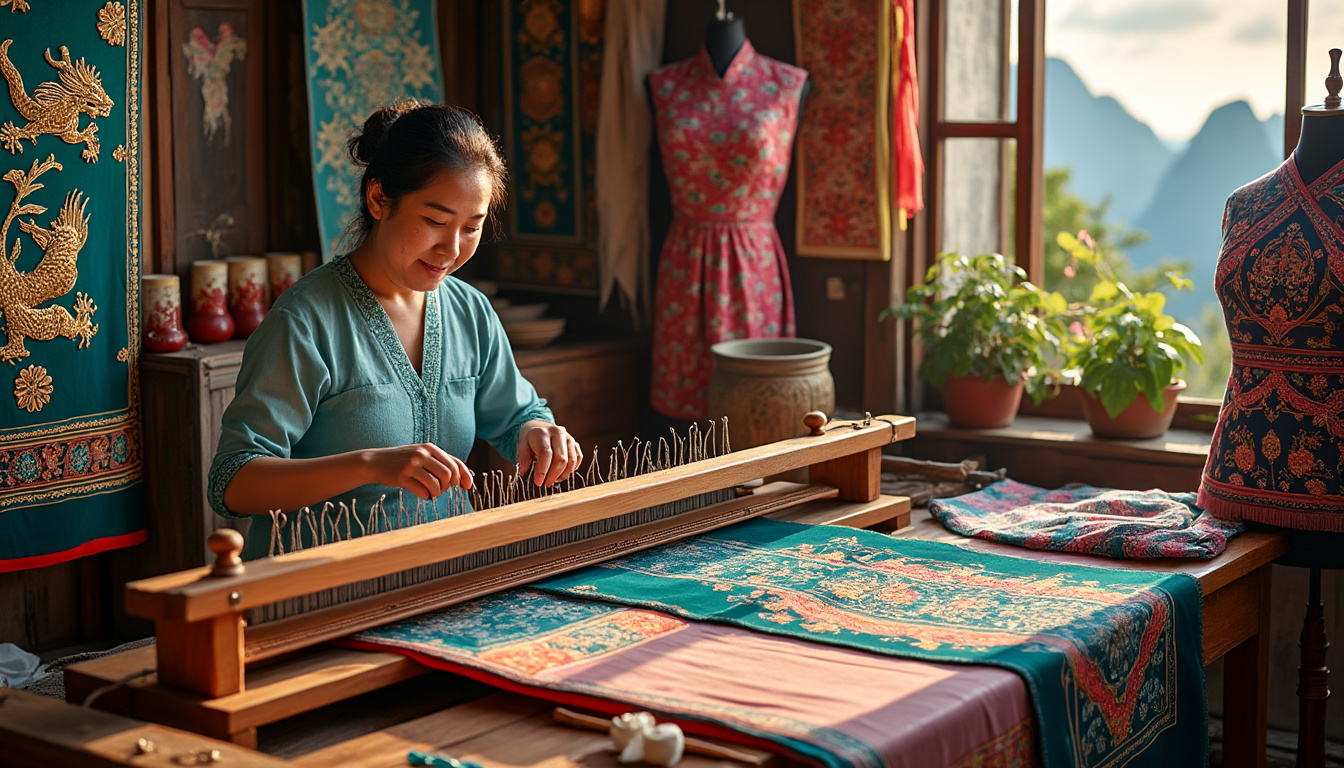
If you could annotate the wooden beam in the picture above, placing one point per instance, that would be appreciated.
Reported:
(1295, 93)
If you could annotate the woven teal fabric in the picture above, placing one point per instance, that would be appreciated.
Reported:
(1112, 658)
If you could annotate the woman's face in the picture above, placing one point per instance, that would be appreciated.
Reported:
(431, 232)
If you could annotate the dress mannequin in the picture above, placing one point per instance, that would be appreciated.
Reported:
(1273, 457)
(726, 119)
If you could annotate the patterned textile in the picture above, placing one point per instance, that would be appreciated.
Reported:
(1081, 518)
(361, 55)
(1113, 659)
(722, 275)
(844, 153)
(552, 68)
(70, 461)
(1276, 453)
(837, 706)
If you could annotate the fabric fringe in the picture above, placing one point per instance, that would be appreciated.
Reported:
(1332, 522)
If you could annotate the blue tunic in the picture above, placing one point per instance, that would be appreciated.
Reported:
(325, 374)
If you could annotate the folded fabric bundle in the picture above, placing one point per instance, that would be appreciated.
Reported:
(1083, 518)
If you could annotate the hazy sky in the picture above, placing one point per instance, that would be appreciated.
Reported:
(1171, 62)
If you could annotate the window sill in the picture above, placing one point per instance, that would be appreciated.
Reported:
(1050, 452)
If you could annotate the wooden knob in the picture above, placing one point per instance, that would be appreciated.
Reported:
(227, 544)
(815, 421)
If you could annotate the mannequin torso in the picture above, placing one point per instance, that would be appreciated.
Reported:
(723, 39)
(1321, 145)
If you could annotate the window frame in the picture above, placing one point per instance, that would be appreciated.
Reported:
(1027, 129)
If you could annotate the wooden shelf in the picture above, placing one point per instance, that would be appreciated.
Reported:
(1050, 452)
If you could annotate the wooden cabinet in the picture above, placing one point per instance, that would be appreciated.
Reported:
(185, 394)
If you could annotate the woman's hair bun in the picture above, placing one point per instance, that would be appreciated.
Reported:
(363, 146)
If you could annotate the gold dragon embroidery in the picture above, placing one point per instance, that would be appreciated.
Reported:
(55, 107)
(53, 277)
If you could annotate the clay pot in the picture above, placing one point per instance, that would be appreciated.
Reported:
(970, 401)
(161, 313)
(1137, 422)
(247, 293)
(283, 270)
(210, 321)
(764, 386)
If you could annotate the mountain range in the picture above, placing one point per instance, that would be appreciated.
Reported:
(1174, 193)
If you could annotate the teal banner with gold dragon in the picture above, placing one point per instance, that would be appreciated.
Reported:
(70, 458)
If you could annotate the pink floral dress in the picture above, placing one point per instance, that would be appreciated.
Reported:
(722, 275)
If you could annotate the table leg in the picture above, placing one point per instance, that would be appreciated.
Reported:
(1246, 691)
(1313, 680)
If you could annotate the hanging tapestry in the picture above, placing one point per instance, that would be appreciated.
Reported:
(1081, 518)
(1113, 658)
(361, 56)
(70, 461)
(836, 706)
(552, 67)
(844, 151)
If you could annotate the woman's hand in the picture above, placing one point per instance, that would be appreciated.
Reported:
(555, 451)
(425, 470)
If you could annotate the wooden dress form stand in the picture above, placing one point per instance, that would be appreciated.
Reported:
(1320, 148)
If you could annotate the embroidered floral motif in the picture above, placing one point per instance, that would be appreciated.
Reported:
(33, 388)
(210, 61)
(112, 23)
(119, 154)
(81, 458)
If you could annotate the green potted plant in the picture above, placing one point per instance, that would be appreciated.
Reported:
(987, 334)
(1123, 345)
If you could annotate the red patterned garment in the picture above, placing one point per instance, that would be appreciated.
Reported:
(1276, 455)
(722, 275)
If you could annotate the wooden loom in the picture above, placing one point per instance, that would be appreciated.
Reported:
(218, 677)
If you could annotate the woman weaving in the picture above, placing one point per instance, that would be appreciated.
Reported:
(372, 375)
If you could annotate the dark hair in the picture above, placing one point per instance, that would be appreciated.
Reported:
(406, 144)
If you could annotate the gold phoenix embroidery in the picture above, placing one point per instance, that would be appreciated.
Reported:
(52, 278)
(15, 5)
(55, 107)
(33, 388)
(112, 23)
(119, 154)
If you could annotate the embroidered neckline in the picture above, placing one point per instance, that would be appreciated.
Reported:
(422, 387)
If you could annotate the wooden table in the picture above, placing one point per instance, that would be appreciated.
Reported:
(1236, 619)
(506, 730)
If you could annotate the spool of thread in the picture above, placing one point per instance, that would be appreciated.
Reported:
(161, 313)
(283, 269)
(247, 293)
(210, 321)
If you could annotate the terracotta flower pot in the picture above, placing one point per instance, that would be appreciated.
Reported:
(970, 401)
(1137, 422)
(161, 313)
(209, 321)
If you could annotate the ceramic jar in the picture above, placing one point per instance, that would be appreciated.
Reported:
(247, 293)
(283, 269)
(161, 313)
(210, 321)
(764, 386)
